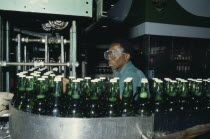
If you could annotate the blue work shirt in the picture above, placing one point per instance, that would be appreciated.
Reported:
(129, 70)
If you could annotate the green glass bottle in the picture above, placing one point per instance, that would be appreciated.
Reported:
(36, 76)
(93, 102)
(55, 107)
(197, 96)
(190, 86)
(157, 96)
(126, 105)
(40, 99)
(153, 84)
(51, 85)
(86, 88)
(69, 91)
(16, 89)
(207, 96)
(143, 105)
(20, 92)
(112, 108)
(102, 96)
(172, 97)
(75, 108)
(183, 96)
(28, 103)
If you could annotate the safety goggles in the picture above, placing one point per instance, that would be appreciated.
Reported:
(113, 54)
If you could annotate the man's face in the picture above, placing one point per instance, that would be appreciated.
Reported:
(119, 62)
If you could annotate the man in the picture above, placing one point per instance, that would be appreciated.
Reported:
(118, 56)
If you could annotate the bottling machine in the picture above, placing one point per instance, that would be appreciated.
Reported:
(171, 39)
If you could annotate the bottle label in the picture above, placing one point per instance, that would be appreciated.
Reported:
(112, 99)
(29, 89)
(94, 98)
(21, 89)
(143, 95)
(75, 96)
(40, 96)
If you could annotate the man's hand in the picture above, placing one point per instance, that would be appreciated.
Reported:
(5, 98)
(65, 82)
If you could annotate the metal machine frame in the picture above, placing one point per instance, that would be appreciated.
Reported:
(72, 64)
(61, 7)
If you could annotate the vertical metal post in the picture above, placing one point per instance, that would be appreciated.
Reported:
(18, 52)
(1, 56)
(74, 54)
(70, 51)
(46, 50)
(62, 53)
(25, 56)
(7, 54)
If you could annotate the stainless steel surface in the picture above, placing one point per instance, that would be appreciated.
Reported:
(46, 50)
(7, 54)
(18, 52)
(84, 63)
(62, 53)
(50, 40)
(30, 126)
(36, 64)
(70, 50)
(1, 57)
(31, 33)
(25, 56)
(74, 43)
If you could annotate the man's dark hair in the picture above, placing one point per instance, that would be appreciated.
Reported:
(126, 45)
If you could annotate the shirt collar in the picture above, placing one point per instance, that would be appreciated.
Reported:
(123, 70)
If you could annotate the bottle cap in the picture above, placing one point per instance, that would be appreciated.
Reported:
(19, 74)
(159, 81)
(94, 81)
(76, 81)
(41, 79)
(60, 76)
(87, 78)
(71, 77)
(102, 78)
(52, 75)
(36, 75)
(44, 76)
(22, 76)
(116, 78)
(29, 77)
(57, 79)
(113, 81)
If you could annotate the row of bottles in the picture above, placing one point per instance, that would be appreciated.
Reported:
(180, 95)
(41, 92)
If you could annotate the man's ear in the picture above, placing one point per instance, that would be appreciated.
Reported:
(127, 56)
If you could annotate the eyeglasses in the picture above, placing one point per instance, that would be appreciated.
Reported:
(113, 54)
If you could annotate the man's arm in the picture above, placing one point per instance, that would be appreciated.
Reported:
(5, 98)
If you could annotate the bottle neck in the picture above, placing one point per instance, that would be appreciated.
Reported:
(158, 92)
(41, 87)
(30, 84)
(51, 82)
(94, 91)
(76, 91)
(144, 91)
(127, 91)
(113, 92)
(183, 89)
(58, 89)
(22, 84)
(173, 90)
